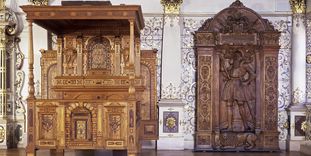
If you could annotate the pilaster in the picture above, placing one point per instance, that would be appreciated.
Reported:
(298, 81)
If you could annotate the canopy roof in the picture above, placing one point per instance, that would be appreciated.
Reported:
(104, 19)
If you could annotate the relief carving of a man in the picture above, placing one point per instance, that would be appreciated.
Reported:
(238, 90)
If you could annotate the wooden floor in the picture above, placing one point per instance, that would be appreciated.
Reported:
(21, 152)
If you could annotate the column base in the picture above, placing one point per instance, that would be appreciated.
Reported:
(305, 147)
(294, 145)
(171, 117)
(282, 145)
(173, 143)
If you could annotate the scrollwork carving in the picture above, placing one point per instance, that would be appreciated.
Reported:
(271, 97)
(204, 92)
(15, 23)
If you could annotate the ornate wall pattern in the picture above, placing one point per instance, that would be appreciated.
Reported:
(308, 70)
(188, 71)
(151, 38)
(284, 61)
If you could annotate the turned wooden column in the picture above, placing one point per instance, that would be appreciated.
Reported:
(31, 88)
(132, 46)
(137, 56)
(31, 97)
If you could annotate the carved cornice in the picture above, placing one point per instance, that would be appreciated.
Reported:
(298, 6)
(171, 6)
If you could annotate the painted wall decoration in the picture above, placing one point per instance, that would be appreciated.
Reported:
(151, 38)
(308, 70)
(170, 122)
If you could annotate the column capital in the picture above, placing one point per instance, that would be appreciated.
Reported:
(298, 6)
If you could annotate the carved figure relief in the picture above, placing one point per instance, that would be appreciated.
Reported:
(238, 93)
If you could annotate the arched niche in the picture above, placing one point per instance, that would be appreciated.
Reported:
(237, 65)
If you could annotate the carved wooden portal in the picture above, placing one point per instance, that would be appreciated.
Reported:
(237, 74)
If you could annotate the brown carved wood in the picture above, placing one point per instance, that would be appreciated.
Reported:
(92, 95)
(237, 66)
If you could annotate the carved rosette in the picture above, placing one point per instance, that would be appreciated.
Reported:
(204, 93)
(170, 122)
(271, 90)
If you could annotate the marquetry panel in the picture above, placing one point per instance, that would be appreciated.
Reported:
(116, 119)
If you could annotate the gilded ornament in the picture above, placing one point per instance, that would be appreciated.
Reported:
(2, 134)
(170, 122)
(308, 59)
(171, 6)
(297, 96)
(39, 2)
(298, 6)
